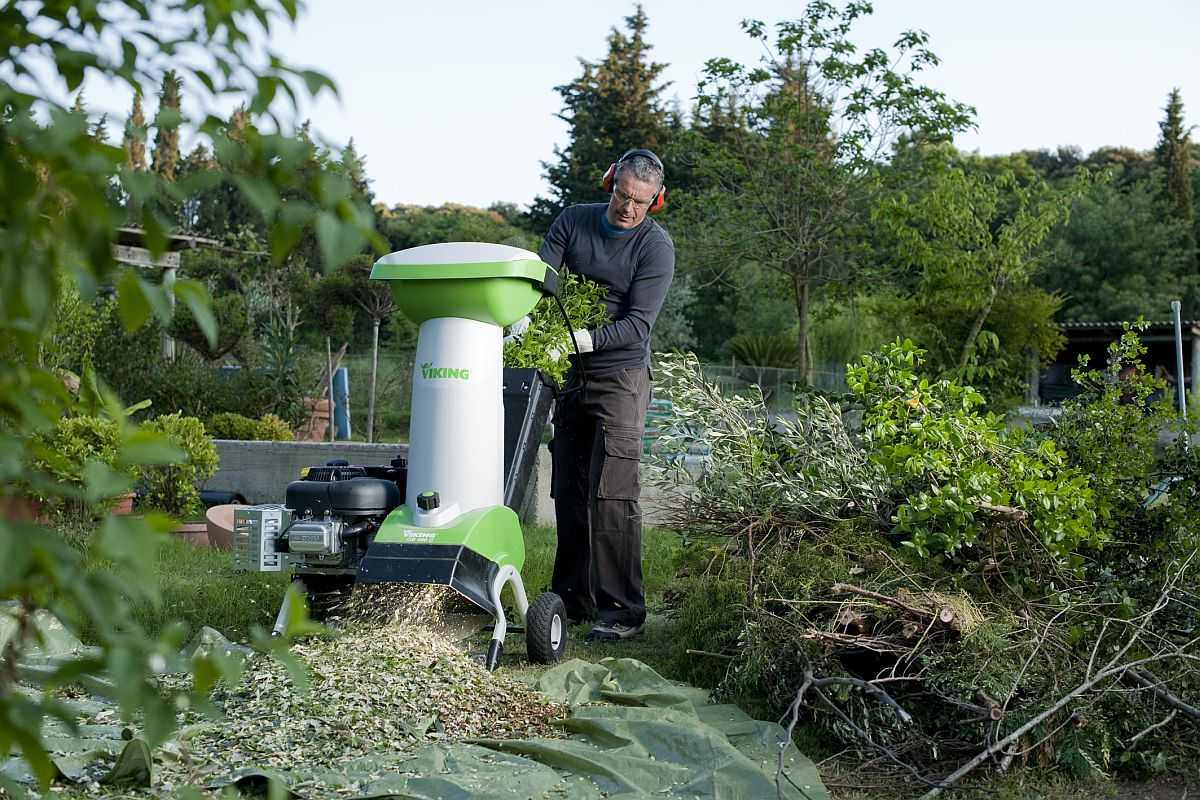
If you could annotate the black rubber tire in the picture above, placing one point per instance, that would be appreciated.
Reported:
(545, 640)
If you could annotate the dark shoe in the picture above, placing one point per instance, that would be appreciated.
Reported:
(613, 632)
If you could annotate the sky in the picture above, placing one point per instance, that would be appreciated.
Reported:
(454, 101)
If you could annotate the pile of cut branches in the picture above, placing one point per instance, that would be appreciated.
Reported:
(933, 591)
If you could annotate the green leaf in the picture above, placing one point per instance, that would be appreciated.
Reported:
(339, 240)
(133, 309)
(259, 193)
(316, 81)
(148, 448)
(134, 766)
(102, 481)
(195, 295)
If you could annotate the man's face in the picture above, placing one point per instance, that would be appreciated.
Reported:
(630, 200)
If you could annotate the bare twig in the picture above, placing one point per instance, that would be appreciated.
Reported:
(846, 588)
(1151, 682)
(1113, 668)
(1006, 511)
(1164, 721)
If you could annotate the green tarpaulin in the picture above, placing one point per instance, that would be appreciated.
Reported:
(630, 734)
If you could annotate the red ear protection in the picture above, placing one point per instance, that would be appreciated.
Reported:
(610, 175)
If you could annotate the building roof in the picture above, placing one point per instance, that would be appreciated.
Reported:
(1119, 324)
(1156, 331)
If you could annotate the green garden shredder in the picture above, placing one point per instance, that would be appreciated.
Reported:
(454, 528)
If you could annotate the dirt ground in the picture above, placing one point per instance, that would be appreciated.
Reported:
(1167, 788)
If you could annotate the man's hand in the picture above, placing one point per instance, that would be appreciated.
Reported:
(583, 340)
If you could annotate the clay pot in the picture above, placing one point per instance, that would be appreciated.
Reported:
(16, 508)
(219, 525)
(194, 532)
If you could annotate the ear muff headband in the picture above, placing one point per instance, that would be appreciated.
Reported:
(610, 176)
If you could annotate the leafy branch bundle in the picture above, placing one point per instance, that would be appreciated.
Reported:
(546, 344)
(935, 586)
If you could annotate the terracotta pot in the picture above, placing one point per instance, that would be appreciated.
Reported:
(16, 508)
(219, 525)
(194, 532)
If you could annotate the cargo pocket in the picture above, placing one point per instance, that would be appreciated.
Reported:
(619, 478)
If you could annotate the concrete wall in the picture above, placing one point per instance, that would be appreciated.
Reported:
(261, 471)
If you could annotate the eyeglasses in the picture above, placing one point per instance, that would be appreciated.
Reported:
(623, 199)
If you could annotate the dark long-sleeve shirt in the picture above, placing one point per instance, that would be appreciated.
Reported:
(636, 267)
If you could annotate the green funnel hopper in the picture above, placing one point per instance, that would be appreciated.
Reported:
(491, 283)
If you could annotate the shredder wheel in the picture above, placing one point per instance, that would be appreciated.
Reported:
(546, 629)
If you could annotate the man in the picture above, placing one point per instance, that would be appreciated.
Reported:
(600, 415)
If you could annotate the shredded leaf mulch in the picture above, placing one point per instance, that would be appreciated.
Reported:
(371, 690)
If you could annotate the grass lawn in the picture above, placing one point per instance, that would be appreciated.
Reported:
(199, 586)
(660, 548)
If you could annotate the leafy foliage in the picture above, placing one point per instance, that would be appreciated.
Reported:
(950, 462)
(611, 107)
(1121, 254)
(546, 344)
(967, 235)
(172, 487)
(972, 573)
(79, 448)
(763, 351)
(1123, 432)
(57, 227)
(789, 193)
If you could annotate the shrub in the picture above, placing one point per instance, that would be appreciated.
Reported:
(267, 428)
(953, 467)
(64, 453)
(172, 487)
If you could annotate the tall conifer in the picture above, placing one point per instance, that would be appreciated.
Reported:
(1174, 156)
(612, 106)
(166, 138)
(134, 141)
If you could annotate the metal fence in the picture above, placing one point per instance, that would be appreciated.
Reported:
(394, 386)
(777, 384)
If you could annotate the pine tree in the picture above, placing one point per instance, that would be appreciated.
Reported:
(134, 141)
(613, 106)
(1173, 156)
(100, 129)
(354, 167)
(166, 138)
(190, 212)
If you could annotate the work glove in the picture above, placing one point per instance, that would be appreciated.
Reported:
(517, 329)
(581, 337)
(583, 340)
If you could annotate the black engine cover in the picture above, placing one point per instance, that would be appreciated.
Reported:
(356, 497)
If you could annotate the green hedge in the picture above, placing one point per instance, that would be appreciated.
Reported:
(267, 428)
